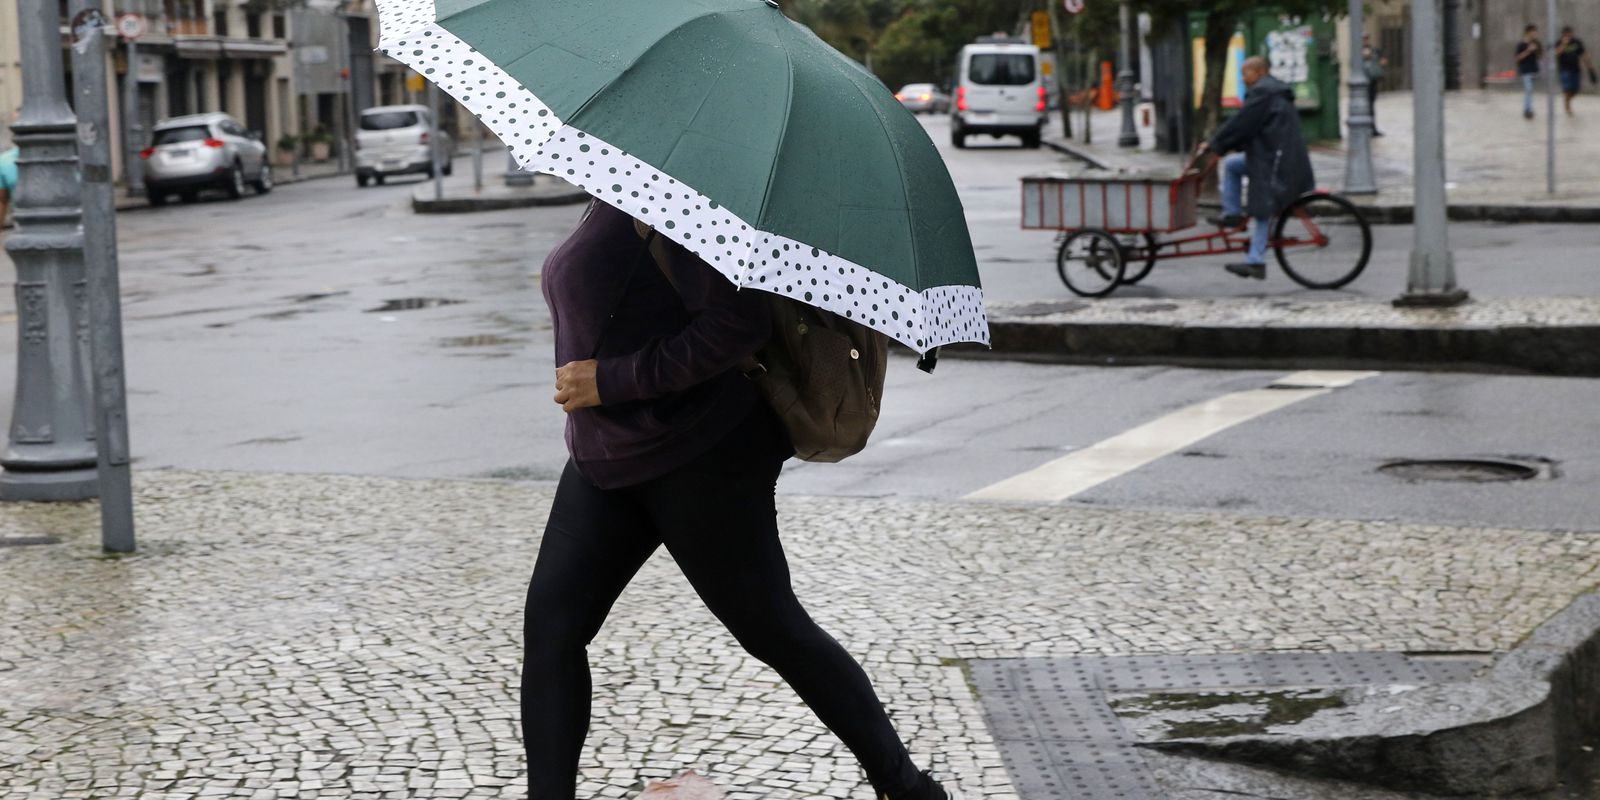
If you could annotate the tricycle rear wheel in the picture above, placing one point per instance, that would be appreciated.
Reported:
(1090, 263)
(1322, 241)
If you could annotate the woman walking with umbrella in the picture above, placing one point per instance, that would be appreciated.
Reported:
(734, 156)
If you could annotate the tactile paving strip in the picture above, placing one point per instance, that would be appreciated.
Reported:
(1060, 739)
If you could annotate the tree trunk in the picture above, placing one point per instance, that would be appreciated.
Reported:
(1219, 31)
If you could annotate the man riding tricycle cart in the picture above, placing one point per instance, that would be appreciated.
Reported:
(1110, 222)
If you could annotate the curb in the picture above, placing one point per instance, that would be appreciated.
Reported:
(1520, 728)
(1378, 214)
(1566, 350)
(467, 205)
(139, 204)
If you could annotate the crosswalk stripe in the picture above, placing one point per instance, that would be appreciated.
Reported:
(1085, 469)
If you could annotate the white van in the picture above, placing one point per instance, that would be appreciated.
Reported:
(1000, 91)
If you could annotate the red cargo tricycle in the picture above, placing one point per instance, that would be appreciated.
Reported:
(1109, 225)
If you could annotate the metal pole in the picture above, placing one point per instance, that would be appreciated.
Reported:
(100, 262)
(1550, 106)
(433, 142)
(132, 125)
(515, 176)
(1130, 135)
(348, 119)
(50, 454)
(297, 41)
(1432, 280)
(1358, 175)
(477, 157)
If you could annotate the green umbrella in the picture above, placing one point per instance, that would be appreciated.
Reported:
(730, 129)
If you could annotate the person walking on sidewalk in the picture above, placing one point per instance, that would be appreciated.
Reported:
(1571, 58)
(671, 445)
(1372, 65)
(1266, 145)
(1529, 51)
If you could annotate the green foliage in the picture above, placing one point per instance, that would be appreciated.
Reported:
(908, 41)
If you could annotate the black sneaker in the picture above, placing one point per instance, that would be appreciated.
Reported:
(1248, 270)
(926, 789)
(1227, 220)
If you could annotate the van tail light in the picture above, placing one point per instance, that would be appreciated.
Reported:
(961, 98)
(213, 143)
(423, 139)
(147, 153)
(1040, 105)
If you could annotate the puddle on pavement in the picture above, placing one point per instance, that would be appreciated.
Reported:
(411, 304)
(1186, 715)
(478, 340)
(312, 297)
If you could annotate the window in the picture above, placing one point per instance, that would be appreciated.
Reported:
(280, 27)
(188, 133)
(252, 25)
(219, 22)
(1001, 69)
(389, 120)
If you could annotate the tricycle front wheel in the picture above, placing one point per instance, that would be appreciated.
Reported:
(1090, 263)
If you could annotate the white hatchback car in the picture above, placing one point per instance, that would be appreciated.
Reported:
(394, 140)
(203, 151)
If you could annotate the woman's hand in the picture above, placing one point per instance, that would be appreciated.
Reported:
(576, 387)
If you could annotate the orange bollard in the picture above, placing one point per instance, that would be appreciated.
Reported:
(1108, 87)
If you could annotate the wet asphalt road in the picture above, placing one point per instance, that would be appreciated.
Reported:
(254, 343)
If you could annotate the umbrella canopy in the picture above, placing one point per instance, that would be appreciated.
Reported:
(730, 129)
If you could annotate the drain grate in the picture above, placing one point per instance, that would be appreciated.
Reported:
(412, 304)
(1462, 470)
(26, 541)
(1061, 740)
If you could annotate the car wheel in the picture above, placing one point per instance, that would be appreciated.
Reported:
(379, 179)
(449, 169)
(156, 198)
(263, 182)
(189, 196)
(235, 185)
(958, 138)
(361, 180)
(1031, 140)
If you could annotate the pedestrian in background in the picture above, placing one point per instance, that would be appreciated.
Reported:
(1571, 58)
(8, 183)
(1529, 51)
(1372, 64)
(671, 445)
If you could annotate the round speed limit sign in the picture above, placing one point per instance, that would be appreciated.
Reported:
(1073, 6)
(131, 26)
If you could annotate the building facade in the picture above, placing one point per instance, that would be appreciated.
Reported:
(1480, 36)
(294, 71)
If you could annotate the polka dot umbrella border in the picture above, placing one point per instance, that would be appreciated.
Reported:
(747, 256)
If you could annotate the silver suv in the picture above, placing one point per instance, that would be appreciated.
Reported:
(393, 140)
(203, 151)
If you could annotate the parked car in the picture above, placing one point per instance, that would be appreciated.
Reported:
(923, 98)
(394, 140)
(192, 153)
(1000, 92)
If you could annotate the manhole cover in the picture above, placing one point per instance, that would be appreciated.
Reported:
(1467, 470)
(412, 304)
(24, 541)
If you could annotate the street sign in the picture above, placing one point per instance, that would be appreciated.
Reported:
(131, 26)
(1073, 6)
(1041, 30)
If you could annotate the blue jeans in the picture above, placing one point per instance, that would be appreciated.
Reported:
(1528, 81)
(1233, 172)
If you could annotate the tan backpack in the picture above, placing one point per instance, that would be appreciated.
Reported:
(822, 374)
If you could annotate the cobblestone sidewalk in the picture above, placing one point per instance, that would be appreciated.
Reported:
(295, 636)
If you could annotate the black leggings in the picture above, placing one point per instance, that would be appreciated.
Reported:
(717, 518)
